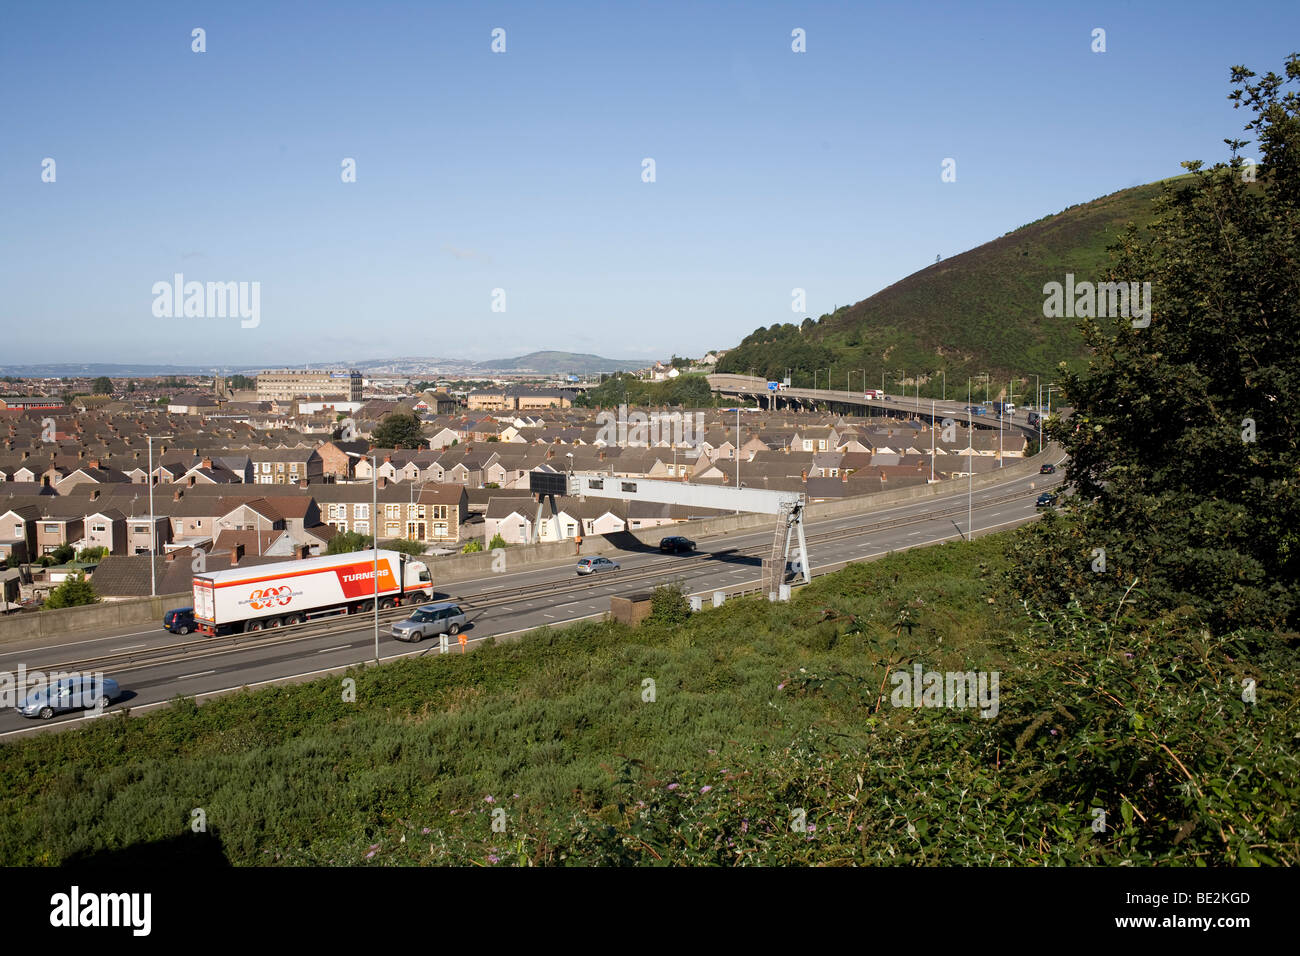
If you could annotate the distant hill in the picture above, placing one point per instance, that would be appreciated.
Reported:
(980, 311)
(556, 363)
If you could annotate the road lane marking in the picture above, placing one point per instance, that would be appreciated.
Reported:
(199, 674)
(129, 647)
(341, 647)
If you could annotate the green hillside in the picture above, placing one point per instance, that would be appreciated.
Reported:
(980, 311)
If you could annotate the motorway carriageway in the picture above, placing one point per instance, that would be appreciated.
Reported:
(497, 605)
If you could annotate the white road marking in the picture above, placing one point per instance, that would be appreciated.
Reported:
(199, 674)
(130, 647)
(341, 647)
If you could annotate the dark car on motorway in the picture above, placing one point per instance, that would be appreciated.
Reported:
(676, 544)
(430, 620)
(1046, 500)
(179, 620)
(76, 692)
(596, 565)
(1047, 470)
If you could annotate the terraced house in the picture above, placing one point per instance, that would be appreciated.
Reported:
(285, 466)
(432, 514)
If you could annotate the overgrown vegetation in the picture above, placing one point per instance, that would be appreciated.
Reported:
(764, 718)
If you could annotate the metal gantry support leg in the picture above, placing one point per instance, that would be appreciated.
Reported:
(797, 519)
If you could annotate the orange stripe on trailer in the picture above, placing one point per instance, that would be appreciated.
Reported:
(367, 566)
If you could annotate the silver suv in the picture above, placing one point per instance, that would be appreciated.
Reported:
(430, 620)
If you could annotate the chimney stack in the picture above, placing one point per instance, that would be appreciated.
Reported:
(236, 553)
(803, 476)
(176, 495)
(94, 463)
(206, 463)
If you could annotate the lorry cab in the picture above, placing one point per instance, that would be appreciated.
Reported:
(418, 579)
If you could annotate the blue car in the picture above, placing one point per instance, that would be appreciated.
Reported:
(75, 692)
(179, 620)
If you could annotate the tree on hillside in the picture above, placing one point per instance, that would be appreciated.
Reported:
(399, 430)
(1185, 442)
(74, 592)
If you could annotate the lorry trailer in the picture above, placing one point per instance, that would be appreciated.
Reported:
(290, 592)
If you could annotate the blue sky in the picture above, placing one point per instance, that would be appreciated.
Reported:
(522, 171)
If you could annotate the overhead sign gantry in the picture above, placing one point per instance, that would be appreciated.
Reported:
(788, 506)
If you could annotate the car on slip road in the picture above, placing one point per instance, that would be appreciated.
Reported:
(1047, 500)
(596, 565)
(676, 544)
(1047, 470)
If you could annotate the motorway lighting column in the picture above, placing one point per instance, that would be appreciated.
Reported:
(153, 522)
(374, 539)
(970, 467)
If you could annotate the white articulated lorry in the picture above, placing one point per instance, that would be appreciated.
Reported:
(290, 592)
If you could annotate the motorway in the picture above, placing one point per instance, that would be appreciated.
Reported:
(153, 666)
(747, 386)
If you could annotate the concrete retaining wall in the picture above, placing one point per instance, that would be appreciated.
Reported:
(104, 616)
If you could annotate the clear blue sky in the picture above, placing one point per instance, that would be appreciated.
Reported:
(522, 170)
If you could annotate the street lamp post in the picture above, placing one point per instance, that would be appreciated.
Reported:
(738, 445)
(970, 467)
(153, 523)
(374, 540)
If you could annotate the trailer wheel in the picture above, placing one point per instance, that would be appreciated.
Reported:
(253, 626)
(292, 619)
(273, 622)
(386, 603)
